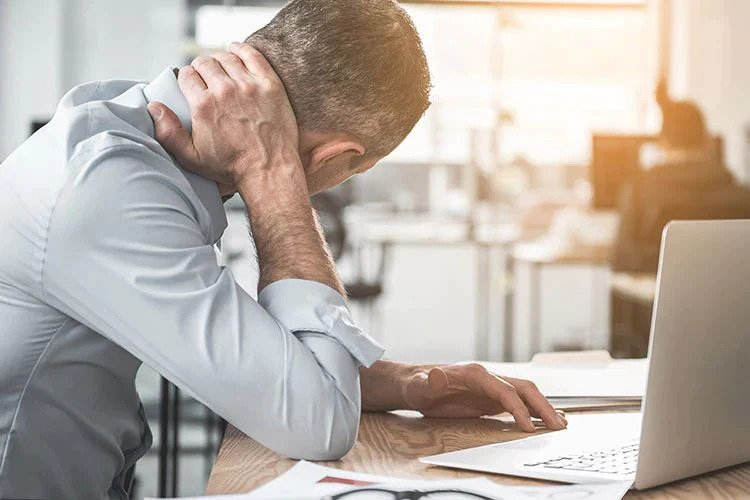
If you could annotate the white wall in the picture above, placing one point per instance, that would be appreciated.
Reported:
(49, 46)
(30, 61)
(428, 312)
(709, 64)
(110, 39)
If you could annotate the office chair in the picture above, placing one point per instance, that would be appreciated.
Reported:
(330, 210)
(638, 245)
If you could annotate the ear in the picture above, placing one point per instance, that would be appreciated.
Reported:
(329, 151)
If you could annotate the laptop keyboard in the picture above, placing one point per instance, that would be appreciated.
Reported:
(620, 460)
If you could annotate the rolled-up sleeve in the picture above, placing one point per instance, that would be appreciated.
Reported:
(309, 306)
(129, 255)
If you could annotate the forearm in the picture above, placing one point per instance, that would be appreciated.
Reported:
(288, 238)
(383, 385)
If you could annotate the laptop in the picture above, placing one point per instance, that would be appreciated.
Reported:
(696, 409)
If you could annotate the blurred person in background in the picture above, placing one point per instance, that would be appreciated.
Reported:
(682, 178)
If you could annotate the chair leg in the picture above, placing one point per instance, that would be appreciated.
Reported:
(175, 439)
(208, 447)
(163, 437)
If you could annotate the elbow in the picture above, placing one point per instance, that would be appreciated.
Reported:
(326, 433)
(335, 438)
(340, 444)
(312, 412)
(326, 452)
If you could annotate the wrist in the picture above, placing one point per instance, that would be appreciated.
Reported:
(282, 188)
(283, 167)
(408, 375)
(384, 385)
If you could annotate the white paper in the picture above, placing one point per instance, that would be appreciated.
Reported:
(306, 477)
(625, 379)
(307, 480)
(243, 496)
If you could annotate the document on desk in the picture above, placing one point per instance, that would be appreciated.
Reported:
(595, 404)
(581, 376)
(308, 481)
(311, 481)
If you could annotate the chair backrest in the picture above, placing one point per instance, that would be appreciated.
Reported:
(660, 200)
(330, 213)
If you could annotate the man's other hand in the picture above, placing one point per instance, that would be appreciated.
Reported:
(469, 390)
(243, 123)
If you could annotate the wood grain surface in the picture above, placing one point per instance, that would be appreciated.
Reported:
(390, 444)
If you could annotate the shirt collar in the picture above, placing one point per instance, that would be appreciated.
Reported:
(164, 89)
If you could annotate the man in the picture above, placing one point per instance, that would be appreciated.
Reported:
(108, 257)
(683, 178)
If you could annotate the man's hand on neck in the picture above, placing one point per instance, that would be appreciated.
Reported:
(245, 138)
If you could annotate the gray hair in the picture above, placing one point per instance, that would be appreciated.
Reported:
(352, 66)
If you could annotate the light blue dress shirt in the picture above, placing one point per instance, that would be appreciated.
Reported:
(107, 261)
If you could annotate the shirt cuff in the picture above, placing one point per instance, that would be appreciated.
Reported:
(309, 306)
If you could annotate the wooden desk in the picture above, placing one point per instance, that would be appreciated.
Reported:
(390, 444)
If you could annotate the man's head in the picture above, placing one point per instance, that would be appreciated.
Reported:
(683, 126)
(356, 76)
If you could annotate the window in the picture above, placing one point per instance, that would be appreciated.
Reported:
(534, 77)
(537, 78)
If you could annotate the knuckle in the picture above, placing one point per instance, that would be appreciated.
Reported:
(244, 50)
(202, 106)
(268, 89)
(200, 61)
(223, 90)
(510, 390)
(162, 134)
(516, 406)
(524, 384)
(259, 62)
(248, 89)
(250, 51)
(229, 57)
(525, 411)
(168, 138)
(475, 368)
(224, 57)
(274, 86)
(185, 71)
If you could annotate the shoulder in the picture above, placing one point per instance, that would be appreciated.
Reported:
(115, 180)
(93, 113)
(124, 209)
(94, 90)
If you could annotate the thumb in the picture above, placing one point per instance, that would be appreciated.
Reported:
(437, 383)
(424, 388)
(170, 133)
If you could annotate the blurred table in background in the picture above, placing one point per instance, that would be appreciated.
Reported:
(560, 298)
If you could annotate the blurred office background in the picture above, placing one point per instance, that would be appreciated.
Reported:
(489, 233)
